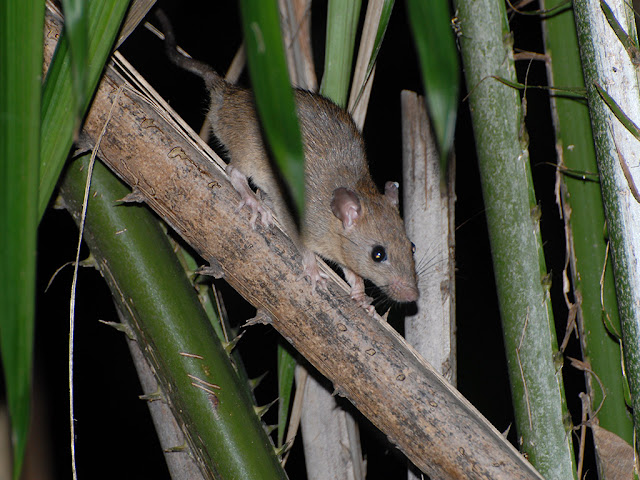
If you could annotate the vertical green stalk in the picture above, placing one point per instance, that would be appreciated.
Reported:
(606, 64)
(542, 421)
(21, 54)
(342, 24)
(583, 214)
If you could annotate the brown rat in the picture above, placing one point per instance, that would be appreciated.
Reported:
(346, 219)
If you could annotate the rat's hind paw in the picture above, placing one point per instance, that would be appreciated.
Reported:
(257, 208)
(248, 198)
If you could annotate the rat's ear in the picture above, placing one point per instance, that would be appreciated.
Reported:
(345, 205)
(391, 193)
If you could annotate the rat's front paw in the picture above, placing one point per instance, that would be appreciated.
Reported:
(248, 198)
(311, 270)
(357, 291)
(363, 300)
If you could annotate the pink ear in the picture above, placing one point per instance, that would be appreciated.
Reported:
(345, 206)
(391, 192)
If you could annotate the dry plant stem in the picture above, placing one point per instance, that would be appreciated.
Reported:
(429, 223)
(429, 217)
(440, 432)
(296, 30)
(327, 431)
(72, 306)
(137, 11)
(428, 210)
(367, 40)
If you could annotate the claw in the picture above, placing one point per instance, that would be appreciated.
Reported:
(311, 270)
(248, 198)
(357, 291)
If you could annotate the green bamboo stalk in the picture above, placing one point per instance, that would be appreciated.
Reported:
(528, 328)
(150, 287)
(20, 88)
(583, 214)
(607, 64)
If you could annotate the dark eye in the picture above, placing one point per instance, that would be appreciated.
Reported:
(378, 254)
(413, 247)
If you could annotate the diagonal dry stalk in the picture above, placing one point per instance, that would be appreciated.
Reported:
(151, 150)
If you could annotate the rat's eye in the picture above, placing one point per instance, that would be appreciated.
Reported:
(413, 247)
(378, 254)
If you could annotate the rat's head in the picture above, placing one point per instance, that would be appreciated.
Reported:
(374, 242)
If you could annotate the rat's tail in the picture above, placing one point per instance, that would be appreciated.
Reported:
(212, 79)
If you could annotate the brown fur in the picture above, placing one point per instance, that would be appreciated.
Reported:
(334, 158)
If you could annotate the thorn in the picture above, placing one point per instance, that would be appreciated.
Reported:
(90, 261)
(338, 391)
(59, 203)
(269, 428)
(260, 411)
(214, 269)
(229, 346)
(177, 448)
(152, 397)
(280, 451)
(121, 327)
(262, 316)
(254, 382)
(134, 197)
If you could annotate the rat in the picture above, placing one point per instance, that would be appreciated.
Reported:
(346, 219)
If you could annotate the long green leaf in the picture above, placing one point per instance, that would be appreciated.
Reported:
(434, 39)
(629, 124)
(58, 112)
(21, 26)
(75, 26)
(342, 24)
(286, 372)
(276, 107)
(273, 92)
